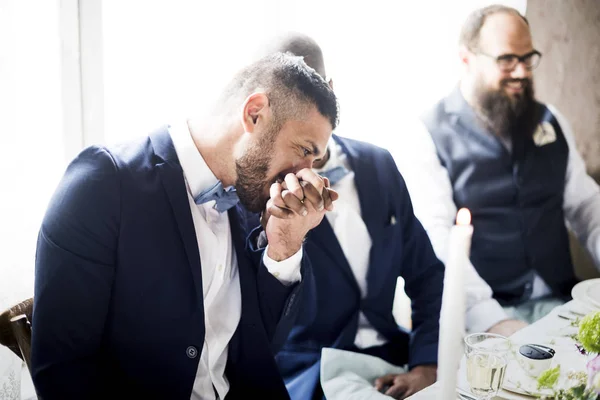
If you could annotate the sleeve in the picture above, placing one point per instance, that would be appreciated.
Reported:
(423, 274)
(280, 301)
(581, 203)
(431, 193)
(74, 270)
(287, 271)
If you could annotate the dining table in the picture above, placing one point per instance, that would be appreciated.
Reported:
(556, 330)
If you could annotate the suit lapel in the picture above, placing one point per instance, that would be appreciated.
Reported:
(173, 182)
(325, 239)
(367, 185)
(247, 280)
(244, 263)
(372, 206)
(374, 211)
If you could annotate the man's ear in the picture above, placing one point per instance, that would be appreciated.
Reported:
(465, 56)
(330, 82)
(256, 110)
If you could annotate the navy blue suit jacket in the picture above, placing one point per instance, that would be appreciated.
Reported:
(118, 302)
(401, 247)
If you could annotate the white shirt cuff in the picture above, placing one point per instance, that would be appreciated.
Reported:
(483, 315)
(287, 271)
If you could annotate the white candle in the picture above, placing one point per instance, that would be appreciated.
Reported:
(452, 316)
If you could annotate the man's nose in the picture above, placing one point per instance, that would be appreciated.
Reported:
(520, 71)
(307, 163)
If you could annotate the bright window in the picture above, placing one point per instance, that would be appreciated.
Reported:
(31, 137)
(388, 59)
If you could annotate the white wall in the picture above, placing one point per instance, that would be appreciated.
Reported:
(77, 72)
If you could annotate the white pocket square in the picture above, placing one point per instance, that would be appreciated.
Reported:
(544, 134)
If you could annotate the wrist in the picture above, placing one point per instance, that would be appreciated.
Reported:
(283, 243)
(507, 327)
(428, 371)
(282, 251)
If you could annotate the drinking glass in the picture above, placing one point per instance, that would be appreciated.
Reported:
(487, 356)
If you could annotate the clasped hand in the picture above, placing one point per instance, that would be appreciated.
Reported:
(297, 205)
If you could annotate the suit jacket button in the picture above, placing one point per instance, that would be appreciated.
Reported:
(191, 352)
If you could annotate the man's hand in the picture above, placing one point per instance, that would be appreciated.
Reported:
(403, 385)
(296, 206)
(507, 327)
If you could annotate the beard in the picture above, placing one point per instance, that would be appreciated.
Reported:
(507, 115)
(252, 168)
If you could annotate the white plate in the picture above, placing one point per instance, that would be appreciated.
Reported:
(517, 381)
(593, 293)
(587, 292)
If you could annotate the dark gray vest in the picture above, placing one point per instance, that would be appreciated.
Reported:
(515, 199)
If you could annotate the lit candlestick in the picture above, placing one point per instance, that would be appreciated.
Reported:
(452, 316)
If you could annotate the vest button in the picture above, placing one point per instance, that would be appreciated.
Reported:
(191, 352)
(532, 260)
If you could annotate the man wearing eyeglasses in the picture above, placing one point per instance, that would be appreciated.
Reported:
(512, 161)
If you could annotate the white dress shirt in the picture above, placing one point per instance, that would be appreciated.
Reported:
(353, 236)
(431, 191)
(220, 278)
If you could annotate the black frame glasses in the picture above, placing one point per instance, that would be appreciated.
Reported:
(508, 62)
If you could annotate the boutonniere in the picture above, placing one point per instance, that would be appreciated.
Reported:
(544, 134)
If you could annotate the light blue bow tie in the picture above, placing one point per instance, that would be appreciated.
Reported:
(335, 174)
(225, 197)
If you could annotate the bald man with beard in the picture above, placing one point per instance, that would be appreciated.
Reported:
(491, 147)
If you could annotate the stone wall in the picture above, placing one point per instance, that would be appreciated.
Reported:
(567, 32)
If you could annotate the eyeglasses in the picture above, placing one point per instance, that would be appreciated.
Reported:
(508, 62)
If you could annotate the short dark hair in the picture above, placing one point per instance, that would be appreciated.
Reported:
(302, 45)
(469, 34)
(288, 83)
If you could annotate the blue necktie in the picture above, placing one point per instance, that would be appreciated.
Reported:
(335, 174)
(225, 197)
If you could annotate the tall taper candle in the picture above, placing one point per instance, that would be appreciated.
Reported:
(452, 316)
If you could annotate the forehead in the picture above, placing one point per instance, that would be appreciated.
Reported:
(312, 127)
(505, 33)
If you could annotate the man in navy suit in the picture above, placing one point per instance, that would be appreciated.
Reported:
(144, 286)
(358, 252)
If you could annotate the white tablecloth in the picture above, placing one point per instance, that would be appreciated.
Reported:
(550, 330)
(15, 381)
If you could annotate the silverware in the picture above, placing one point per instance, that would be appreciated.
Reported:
(565, 317)
(464, 395)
